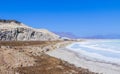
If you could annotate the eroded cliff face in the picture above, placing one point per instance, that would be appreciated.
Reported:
(12, 31)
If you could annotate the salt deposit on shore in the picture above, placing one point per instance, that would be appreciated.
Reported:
(80, 61)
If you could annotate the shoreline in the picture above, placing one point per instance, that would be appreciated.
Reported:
(93, 59)
(80, 61)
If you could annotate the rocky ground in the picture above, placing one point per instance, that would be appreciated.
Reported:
(29, 57)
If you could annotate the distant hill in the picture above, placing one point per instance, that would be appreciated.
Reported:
(73, 36)
(67, 34)
(12, 30)
(109, 36)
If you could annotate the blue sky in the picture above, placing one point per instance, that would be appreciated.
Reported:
(81, 17)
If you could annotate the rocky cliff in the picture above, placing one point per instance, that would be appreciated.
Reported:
(11, 30)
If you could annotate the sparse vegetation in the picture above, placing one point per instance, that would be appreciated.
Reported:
(9, 21)
(25, 43)
(34, 61)
(49, 65)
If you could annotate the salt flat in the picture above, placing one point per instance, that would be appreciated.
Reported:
(80, 61)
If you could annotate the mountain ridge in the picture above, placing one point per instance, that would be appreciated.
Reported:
(99, 36)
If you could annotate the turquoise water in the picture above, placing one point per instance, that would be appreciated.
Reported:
(107, 50)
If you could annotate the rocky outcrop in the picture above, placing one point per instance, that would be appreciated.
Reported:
(16, 31)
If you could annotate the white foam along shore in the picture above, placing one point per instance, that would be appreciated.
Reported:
(82, 61)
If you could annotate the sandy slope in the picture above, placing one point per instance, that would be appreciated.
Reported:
(30, 58)
(10, 59)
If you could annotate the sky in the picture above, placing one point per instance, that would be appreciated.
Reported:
(81, 17)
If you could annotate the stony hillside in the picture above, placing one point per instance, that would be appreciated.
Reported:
(11, 30)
